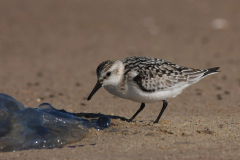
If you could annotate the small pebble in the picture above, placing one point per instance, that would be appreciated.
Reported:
(39, 74)
(78, 84)
(226, 92)
(219, 97)
(83, 104)
(218, 88)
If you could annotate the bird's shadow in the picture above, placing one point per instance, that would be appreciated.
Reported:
(93, 115)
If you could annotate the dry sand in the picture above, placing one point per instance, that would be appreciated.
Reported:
(50, 49)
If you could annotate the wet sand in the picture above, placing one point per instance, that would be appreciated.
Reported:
(51, 49)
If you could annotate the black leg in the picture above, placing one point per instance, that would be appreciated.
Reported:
(140, 109)
(165, 103)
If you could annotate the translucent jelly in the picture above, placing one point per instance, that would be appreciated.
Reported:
(45, 127)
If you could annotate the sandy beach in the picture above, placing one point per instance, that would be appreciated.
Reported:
(49, 52)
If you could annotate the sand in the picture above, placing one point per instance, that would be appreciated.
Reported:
(50, 50)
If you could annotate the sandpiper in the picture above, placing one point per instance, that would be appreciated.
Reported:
(146, 80)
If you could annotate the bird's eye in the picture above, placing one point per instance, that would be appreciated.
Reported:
(109, 74)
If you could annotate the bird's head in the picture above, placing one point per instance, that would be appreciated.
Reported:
(109, 73)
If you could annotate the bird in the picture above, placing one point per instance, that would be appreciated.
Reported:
(146, 80)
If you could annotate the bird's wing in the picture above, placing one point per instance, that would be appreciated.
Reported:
(166, 76)
(153, 74)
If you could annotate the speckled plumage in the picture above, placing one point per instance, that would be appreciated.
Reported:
(146, 79)
(154, 74)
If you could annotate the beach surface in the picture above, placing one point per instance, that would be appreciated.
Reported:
(50, 49)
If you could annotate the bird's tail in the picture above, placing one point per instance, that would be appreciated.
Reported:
(195, 77)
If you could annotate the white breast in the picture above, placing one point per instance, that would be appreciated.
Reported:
(135, 94)
(115, 91)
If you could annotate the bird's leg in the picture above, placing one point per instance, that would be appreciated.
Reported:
(139, 110)
(165, 103)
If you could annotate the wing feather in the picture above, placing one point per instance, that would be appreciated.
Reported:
(152, 74)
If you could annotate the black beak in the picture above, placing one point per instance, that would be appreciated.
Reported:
(95, 89)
